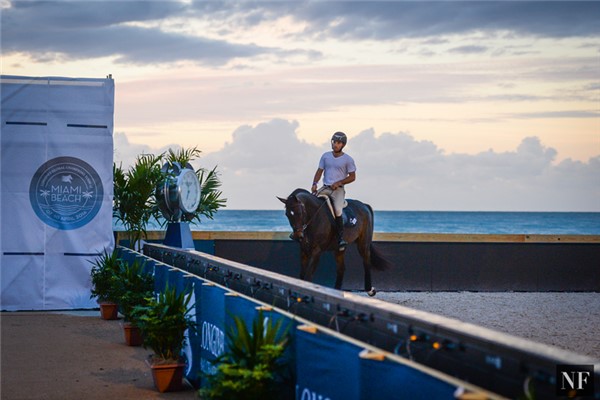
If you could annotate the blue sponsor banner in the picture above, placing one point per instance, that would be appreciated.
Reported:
(327, 367)
(126, 255)
(288, 327)
(384, 379)
(160, 276)
(175, 279)
(193, 349)
(148, 264)
(211, 326)
(237, 306)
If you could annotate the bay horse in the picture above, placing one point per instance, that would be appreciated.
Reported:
(313, 227)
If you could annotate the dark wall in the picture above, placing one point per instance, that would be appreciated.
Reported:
(438, 266)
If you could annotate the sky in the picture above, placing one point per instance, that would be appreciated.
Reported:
(477, 106)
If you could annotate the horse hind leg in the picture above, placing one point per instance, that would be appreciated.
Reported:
(340, 269)
(364, 250)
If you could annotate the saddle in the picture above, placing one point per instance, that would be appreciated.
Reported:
(348, 215)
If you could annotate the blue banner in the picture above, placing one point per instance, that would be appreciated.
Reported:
(327, 367)
(126, 255)
(237, 306)
(193, 349)
(390, 380)
(161, 272)
(212, 326)
(148, 264)
(175, 279)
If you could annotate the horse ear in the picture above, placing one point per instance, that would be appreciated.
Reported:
(284, 201)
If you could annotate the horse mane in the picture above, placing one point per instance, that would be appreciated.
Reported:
(305, 196)
(298, 191)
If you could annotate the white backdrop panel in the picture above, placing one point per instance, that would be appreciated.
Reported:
(56, 189)
(22, 282)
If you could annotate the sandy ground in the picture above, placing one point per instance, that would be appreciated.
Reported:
(567, 320)
(72, 357)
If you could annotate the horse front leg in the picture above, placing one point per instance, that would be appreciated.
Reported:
(310, 261)
(340, 269)
(303, 264)
(313, 263)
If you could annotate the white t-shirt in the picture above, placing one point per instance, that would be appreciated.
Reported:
(336, 169)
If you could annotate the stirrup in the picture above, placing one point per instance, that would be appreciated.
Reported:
(342, 245)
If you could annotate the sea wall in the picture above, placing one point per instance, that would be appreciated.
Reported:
(430, 262)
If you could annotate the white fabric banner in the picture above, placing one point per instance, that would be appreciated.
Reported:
(56, 189)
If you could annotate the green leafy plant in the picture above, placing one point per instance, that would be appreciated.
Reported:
(134, 202)
(254, 366)
(528, 390)
(104, 269)
(163, 322)
(133, 288)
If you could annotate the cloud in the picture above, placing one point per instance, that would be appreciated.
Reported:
(130, 30)
(469, 49)
(262, 162)
(397, 172)
(80, 30)
(557, 114)
(125, 152)
(270, 146)
(390, 19)
(419, 176)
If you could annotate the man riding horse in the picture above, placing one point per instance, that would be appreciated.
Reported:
(311, 221)
(338, 169)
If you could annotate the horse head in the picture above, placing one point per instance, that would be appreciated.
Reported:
(295, 211)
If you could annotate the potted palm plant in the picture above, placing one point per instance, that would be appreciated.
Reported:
(134, 203)
(133, 288)
(163, 322)
(254, 366)
(104, 269)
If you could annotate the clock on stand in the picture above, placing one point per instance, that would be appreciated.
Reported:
(178, 197)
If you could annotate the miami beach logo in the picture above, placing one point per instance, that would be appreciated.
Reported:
(66, 193)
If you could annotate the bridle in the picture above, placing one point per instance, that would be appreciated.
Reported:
(301, 209)
(298, 211)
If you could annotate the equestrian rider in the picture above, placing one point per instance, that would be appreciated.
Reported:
(339, 170)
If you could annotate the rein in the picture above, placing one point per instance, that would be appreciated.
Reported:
(313, 216)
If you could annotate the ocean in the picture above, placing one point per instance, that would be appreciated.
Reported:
(466, 222)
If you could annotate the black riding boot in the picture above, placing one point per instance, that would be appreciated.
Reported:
(339, 224)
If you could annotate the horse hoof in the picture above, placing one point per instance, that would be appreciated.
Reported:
(372, 292)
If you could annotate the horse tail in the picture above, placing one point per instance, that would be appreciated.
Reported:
(378, 260)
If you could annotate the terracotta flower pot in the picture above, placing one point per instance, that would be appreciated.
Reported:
(133, 335)
(168, 377)
(109, 310)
